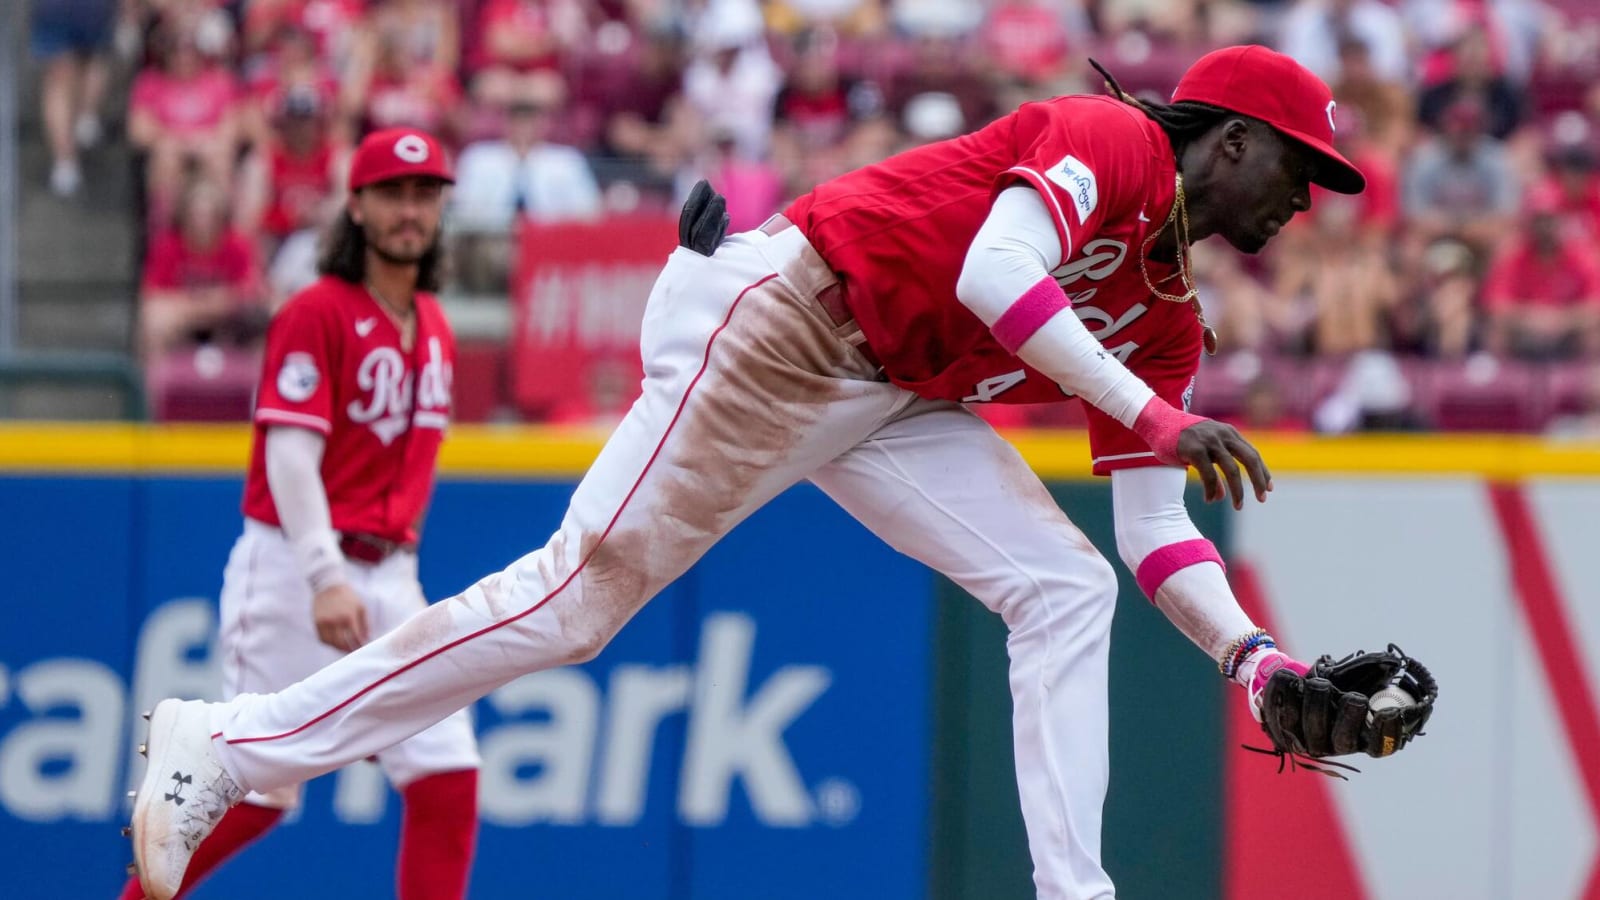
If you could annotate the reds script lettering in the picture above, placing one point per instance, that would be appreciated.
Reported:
(433, 382)
(383, 378)
(1101, 259)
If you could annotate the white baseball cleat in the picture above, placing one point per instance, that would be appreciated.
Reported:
(184, 795)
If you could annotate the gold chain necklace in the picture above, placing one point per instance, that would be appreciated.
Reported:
(404, 319)
(1178, 218)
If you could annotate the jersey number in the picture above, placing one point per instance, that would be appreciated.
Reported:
(990, 388)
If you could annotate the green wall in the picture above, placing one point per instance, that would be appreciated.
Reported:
(1163, 835)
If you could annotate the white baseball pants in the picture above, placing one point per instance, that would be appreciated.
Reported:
(749, 388)
(269, 641)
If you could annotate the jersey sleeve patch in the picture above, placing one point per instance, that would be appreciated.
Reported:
(1078, 181)
(298, 377)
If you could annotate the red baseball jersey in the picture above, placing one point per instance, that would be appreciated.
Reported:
(898, 233)
(334, 364)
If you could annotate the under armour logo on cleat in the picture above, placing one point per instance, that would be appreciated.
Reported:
(178, 781)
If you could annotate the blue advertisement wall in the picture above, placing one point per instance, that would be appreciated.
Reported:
(807, 660)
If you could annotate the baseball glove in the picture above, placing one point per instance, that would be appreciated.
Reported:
(704, 219)
(1325, 712)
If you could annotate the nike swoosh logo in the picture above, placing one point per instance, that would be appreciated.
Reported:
(1143, 217)
(364, 326)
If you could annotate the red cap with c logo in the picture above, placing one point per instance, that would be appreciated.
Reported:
(398, 153)
(1267, 85)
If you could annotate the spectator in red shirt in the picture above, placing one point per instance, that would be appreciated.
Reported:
(403, 91)
(293, 68)
(200, 279)
(1543, 292)
(332, 25)
(1376, 209)
(290, 182)
(1027, 40)
(814, 104)
(1575, 180)
(821, 116)
(519, 37)
(184, 111)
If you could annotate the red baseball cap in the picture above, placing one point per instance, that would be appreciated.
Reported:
(1254, 81)
(398, 153)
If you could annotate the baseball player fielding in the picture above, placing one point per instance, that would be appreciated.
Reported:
(1044, 257)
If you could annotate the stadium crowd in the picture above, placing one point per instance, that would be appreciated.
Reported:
(1461, 290)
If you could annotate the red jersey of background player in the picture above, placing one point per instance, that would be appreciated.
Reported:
(898, 233)
(334, 364)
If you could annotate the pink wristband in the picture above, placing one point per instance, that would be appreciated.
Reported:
(1169, 560)
(1275, 660)
(1029, 313)
(1159, 424)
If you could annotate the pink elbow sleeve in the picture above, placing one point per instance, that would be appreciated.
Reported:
(1029, 313)
(1166, 561)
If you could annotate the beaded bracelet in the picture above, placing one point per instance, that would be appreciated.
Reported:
(1240, 649)
(1225, 661)
(1242, 652)
(1248, 649)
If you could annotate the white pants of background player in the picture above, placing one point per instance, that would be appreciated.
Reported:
(269, 642)
(750, 388)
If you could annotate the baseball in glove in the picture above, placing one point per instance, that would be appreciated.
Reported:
(1329, 710)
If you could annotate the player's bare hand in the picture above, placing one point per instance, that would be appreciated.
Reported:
(1209, 446)
(340, 616)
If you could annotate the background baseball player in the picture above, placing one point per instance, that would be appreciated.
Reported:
(352, 407)
(837, 343)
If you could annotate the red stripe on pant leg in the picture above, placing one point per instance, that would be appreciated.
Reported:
(704, 364)
(1555, 648)
(1283, 836)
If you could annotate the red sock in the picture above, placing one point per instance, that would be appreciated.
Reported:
(242, 825)
(437, 835)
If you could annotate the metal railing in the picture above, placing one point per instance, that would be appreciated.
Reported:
(13, 24)
(77, 369)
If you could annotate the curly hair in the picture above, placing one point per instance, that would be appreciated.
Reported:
(344, 256)
(1184, 121)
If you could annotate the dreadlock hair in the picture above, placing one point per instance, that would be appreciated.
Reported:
(1184, 121)
(344, 256)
